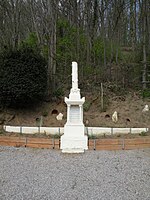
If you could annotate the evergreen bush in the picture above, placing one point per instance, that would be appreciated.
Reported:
(23, 77)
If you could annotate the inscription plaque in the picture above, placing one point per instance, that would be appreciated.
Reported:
(74, 114)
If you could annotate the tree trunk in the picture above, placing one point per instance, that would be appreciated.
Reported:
(144, 46)
(52, 17)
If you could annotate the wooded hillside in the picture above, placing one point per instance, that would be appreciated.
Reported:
(110, 40)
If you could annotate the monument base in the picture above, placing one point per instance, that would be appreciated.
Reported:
(74, 140)
(74, 144)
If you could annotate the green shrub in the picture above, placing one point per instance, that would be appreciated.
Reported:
(143, 133)
(23, 77)
(56, 136)
(45, 113)
(92, 136)
(58, 93)
(88, 70)
(146, 93)
(31, 42)
(86, 106)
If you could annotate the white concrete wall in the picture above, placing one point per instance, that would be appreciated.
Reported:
(33, 130)
(98, 131)
(29, 130)
(52, 130)
(111, 131)
(60, 130)
(15, 129)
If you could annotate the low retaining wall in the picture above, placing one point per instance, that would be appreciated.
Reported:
(60, 130)
(93, 144)
(119, 144)
(111, 131)
(30, 142)
(33, 130)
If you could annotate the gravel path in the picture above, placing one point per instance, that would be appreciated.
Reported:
(41, 174)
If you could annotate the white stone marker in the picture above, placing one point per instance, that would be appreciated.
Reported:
(74, 140)
(146, 108)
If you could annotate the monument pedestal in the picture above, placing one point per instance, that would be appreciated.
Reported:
(74, 140)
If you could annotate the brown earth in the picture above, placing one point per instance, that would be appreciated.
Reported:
(129, 110)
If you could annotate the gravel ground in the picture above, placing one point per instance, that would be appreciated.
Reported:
(42, 174)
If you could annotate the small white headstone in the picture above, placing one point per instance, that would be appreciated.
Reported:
(115, 117)
(59, 117)
(146, 108)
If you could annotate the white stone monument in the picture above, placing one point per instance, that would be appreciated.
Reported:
(74, 140)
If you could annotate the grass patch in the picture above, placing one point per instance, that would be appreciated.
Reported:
(45, 113)
(143, 133)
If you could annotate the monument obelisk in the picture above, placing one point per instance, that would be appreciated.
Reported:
(74, 140)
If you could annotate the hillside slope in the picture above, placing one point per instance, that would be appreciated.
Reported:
(129, 110)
